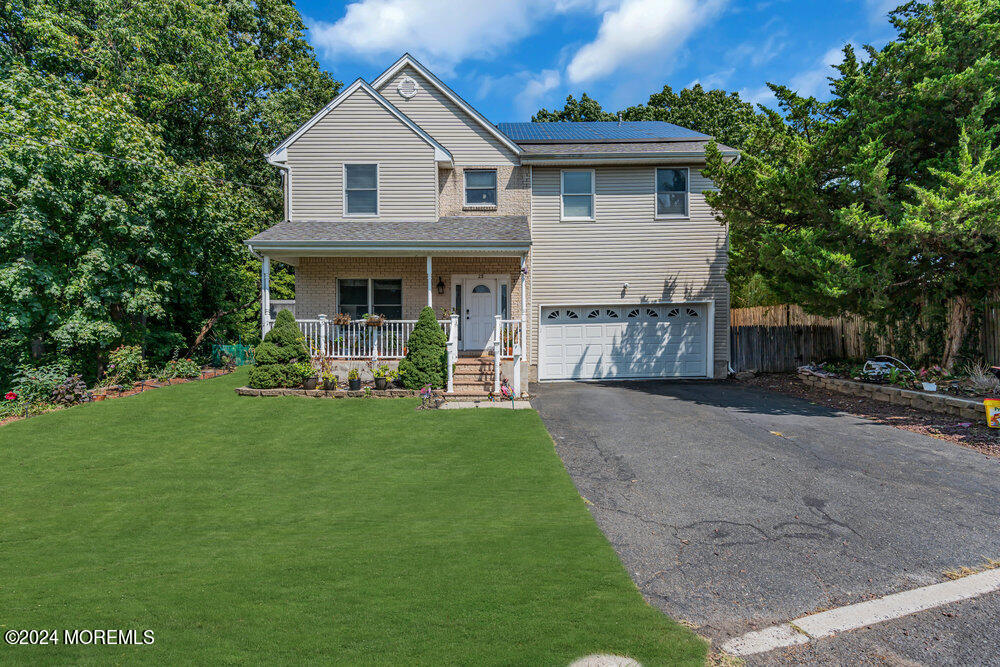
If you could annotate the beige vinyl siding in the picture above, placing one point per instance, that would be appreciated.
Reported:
(673, 260)
(465, 138)
(360, 130)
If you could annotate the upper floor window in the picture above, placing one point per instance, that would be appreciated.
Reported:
(672, 193)
(480, 187)
(577, 194)
(360, 189)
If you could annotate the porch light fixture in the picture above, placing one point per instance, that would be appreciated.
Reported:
(440, 285)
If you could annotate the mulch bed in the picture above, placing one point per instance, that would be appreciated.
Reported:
(137, 388)
(975, 436)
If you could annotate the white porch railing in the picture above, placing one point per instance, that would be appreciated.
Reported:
(507, 344)
(357, 340)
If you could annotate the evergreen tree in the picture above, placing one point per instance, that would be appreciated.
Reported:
(426, 360)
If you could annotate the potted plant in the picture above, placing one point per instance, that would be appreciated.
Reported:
(382, 377)
(341, 319)
(329, 381)
(354, 380)
(374, 320)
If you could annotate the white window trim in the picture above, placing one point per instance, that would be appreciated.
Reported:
(370, 306)
(593, 195)
(687, 197)
(496, 187)
(378, 189)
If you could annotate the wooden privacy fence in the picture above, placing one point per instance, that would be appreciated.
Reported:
(781, 338)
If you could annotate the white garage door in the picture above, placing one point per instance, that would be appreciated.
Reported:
(600, 342)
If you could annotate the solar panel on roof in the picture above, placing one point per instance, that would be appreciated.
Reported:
(597, 131)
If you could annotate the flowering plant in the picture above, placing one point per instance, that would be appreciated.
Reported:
(10, 396)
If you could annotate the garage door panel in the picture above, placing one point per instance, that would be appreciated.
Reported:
(592, 342)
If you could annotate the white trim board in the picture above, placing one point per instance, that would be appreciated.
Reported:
(279, 154)
(407, 59)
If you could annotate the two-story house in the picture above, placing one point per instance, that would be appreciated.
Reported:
(549, 251)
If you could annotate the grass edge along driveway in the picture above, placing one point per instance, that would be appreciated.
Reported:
(295, 529)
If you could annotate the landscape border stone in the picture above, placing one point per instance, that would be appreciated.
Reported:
(335, 393)
(966, 408)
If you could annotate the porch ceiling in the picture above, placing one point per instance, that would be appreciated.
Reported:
(452, 235)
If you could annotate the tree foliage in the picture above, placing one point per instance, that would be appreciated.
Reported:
(426, 360)
(876, 201)
(144, 246)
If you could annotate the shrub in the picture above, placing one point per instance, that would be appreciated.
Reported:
(270, 376)
(126, 364)
(179, 368)
(427, 354)
(35, 384)
(70, 391)
(298, 372)
(277, 359)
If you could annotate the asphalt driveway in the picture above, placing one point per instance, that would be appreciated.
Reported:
(735, 509)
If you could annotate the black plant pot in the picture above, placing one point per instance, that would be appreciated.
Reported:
(381, 384)
(329, 385)
(355, 385)
(310, 383)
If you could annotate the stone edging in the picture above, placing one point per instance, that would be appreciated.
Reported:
(336, 393)
(966, 408)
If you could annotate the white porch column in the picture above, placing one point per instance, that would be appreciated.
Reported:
(524, 321)
(265, 295)
(430, 287)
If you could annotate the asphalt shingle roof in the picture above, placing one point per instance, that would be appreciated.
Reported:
(598, 131)
(470, 229)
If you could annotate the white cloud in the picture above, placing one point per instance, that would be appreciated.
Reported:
(759, 53)
(762, 95)
(442, 33)
(813, 82)
(638, 31)
(879, 8)
(529, 90)
(535, 90)
(713, 80)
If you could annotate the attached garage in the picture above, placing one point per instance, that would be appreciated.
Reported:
(621, 342)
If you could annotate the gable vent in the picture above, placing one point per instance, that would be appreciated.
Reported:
(407, 87)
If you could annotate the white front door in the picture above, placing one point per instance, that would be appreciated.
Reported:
(479, 314)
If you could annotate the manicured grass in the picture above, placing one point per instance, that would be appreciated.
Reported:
(288, 530)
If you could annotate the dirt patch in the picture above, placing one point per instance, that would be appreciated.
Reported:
(944, 427)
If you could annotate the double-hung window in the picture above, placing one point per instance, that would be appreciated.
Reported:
(672, 193)
(360, 189)
(480, 187)
(577, 190)
(378, 296)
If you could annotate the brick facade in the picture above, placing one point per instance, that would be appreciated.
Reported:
(316, 280)
(513, 191)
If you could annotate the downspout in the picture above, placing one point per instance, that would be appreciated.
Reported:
(285, 174)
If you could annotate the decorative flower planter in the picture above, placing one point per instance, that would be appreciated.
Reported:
(355, 385)
(381, 384)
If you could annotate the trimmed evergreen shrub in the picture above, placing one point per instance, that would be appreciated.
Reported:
(275, 359)
(426, 360)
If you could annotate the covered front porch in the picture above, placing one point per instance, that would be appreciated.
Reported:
(358, 307)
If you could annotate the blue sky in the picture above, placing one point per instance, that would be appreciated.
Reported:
(510, 57)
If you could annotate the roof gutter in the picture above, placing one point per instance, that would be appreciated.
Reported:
(375, 246)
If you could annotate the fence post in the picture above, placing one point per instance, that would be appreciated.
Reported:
(322, 334)
(496, 354)
(452, 351)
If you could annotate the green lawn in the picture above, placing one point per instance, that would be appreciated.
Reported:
(283, 530)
